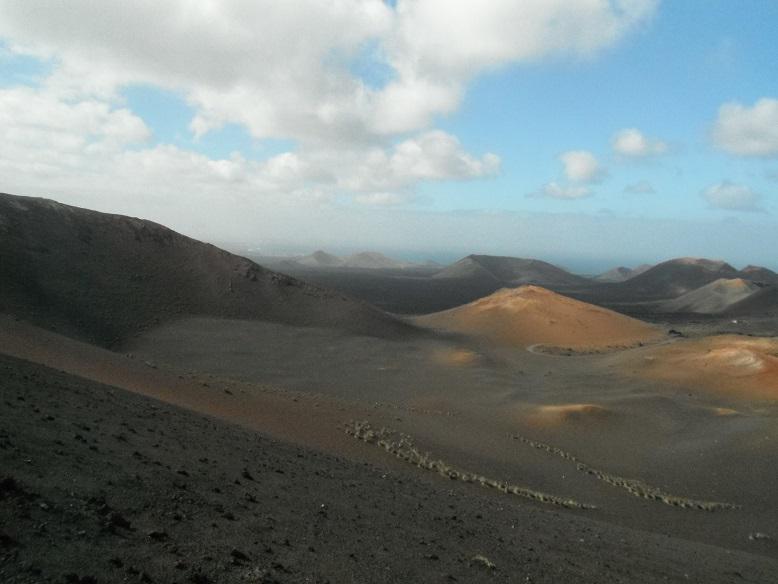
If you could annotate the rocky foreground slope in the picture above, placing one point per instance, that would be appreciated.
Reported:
(100, 485)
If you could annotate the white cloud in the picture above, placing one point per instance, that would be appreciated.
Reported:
(282, 69)
(44, 135)
(279, 68)
(554, 190)
(733, 197)
(581, 169)
(429, 156)
(436, 55)
(748, 131)
(642, 187)
(632, 143)
(85, 140)
(383, 199)
(437, 155)
(582, 166)
(33, 113)
(480, 35)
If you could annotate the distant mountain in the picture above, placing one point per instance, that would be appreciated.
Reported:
(320, 259)
(619, 274)
(468, 268)
(622, 274)
(103, 277)
(511, 271)
(370, 260)
(366, 260)
(430, 264)
(760, 274)
(673, 278)
(530, 315)
(714, 298)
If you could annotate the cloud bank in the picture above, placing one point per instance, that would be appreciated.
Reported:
(282, 71)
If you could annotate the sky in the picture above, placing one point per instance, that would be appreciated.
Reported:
(586, 132)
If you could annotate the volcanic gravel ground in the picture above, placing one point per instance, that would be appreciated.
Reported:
(101, 485)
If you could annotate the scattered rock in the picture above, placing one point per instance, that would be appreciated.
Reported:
(758, 535)
(6, 541)
(200, 578)
(158, 535)
(261, 576)
(238, 556)
(483, 562)
(73, 578)
(10, 488)
(115, 519)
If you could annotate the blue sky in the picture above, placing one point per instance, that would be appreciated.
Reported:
(667, 80)
(384, 118)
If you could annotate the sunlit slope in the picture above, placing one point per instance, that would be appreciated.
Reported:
(713, 298)
(738, 366)
(532, 315)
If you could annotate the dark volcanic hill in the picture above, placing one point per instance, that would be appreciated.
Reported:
(622, 273)
(691, 281)
(102, 277)
(510, 271)
(320, 259)
(370, 260)
(763, 302)
(760, 274)
(673, 278)
(366, 260)
(714, 298)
